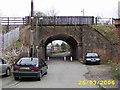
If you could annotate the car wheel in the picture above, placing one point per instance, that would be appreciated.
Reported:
(8, 72)
(16, 78)
(40, 75)
(45, 73)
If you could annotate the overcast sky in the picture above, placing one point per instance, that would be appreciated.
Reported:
(103, 8)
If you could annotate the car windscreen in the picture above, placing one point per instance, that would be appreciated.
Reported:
(92, 55)
(28, 61)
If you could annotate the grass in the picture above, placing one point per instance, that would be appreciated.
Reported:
(109, 31)
(18, 45)
(114, 66)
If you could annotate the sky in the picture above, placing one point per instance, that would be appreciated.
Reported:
(21, 8)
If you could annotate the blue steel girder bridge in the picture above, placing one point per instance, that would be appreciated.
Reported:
(67, 28)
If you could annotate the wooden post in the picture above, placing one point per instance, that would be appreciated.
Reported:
(23, 21)
(96, 20)
(48, 58)
(71, 59)
(64, 58)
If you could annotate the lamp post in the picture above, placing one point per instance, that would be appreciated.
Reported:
(37, 21)
(83, 12)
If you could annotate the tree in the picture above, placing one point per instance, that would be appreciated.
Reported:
(39, 13)
(63, 47)
(52, 12)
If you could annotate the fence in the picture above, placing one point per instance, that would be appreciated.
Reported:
(67, 20)
(11, 22)
(62, 20)
(55, 20)
(103, 21)
(70, 20)
(9, 38)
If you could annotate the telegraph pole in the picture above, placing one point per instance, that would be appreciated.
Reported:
(32, 30)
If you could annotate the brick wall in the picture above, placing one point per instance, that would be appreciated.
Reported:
(93, 41)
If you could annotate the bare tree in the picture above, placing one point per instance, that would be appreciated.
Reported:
(52, 12)
(39, 13)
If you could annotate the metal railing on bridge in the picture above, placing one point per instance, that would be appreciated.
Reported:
(104, 21)
(55, 20)
(63, 20)
(12, 20)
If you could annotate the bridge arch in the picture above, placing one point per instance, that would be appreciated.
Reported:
(66, 38)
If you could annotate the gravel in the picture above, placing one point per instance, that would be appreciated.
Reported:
(101, 72)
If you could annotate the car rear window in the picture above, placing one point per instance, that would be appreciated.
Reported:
(28, 61)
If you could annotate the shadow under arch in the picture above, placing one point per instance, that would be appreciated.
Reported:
(66, 38)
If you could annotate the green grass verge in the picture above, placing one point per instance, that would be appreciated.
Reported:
(114, 66)
(18, 45)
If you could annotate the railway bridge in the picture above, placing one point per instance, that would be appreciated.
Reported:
(76, 31)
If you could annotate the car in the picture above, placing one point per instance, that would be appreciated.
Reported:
(5, 67)
(29, 67)
(92, 57)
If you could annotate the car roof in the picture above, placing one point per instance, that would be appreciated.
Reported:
(91, 52)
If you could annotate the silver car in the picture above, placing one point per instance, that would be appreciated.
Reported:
(5, 67)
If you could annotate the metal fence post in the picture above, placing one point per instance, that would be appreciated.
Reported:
(8, 22)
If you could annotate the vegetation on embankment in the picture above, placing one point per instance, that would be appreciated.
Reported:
(109, 31)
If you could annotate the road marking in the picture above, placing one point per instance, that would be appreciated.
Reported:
(14, 84)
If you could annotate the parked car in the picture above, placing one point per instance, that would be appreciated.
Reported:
(5, 67)
(29, 67)
(92, 58)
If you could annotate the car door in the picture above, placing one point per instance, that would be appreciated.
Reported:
(0, 66)
(44, 66)
(4, 66)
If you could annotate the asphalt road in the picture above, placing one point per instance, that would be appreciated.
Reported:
(61, 74)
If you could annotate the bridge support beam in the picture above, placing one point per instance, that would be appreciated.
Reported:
(81, 44)
(80, 53)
